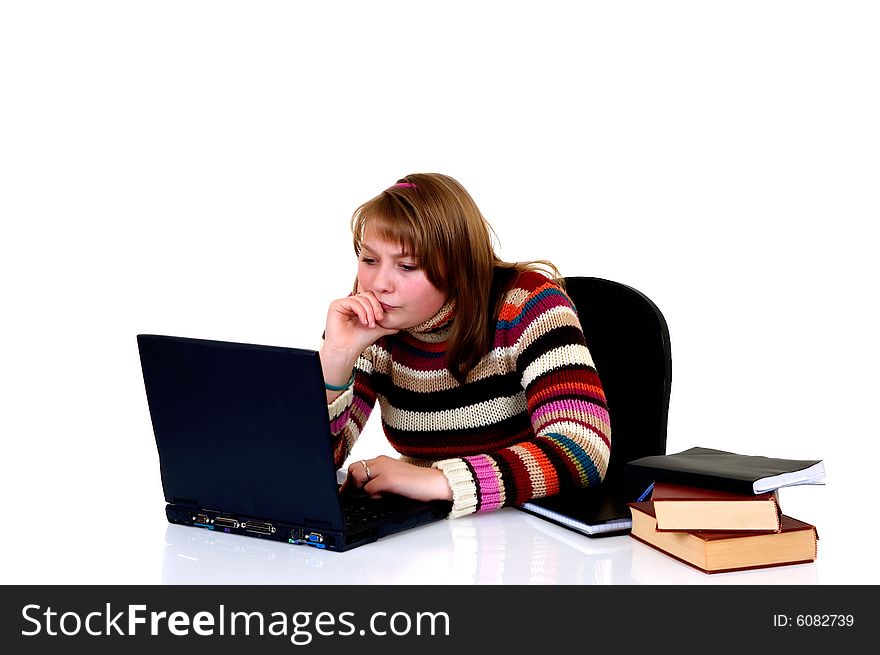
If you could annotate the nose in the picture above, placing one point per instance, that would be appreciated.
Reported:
(383, 282)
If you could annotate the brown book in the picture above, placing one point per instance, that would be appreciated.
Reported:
(681, 507)
(716, 552)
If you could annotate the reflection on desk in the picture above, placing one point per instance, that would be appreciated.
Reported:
(505, 547)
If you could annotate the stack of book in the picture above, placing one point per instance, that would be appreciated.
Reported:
(719, 511)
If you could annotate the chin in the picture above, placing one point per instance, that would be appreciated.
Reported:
(401, 324)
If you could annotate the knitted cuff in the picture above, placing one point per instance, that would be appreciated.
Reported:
(464, 489)
(340, 403)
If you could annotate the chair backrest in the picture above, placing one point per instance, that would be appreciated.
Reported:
(629, 340)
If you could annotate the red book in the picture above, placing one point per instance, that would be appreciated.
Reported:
(716, 552)
(682, 507)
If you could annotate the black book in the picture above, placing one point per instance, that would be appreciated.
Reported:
(600, 511)
(719, 469)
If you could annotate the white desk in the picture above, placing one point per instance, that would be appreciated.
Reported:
(507, 547)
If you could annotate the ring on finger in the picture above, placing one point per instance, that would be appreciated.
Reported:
(367, 470)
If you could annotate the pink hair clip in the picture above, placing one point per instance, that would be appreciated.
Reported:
(406, 185)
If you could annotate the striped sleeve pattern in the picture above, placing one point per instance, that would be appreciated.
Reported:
(567, 438)
(351, 409)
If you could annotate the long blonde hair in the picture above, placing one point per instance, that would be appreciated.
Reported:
(436, 221)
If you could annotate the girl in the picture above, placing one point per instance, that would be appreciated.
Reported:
(485, 383)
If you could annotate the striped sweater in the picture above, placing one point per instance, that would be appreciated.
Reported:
(529, 421)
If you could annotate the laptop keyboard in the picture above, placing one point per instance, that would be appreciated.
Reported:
(362, 510)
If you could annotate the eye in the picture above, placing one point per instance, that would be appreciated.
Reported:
(407, 268)
(368, 260)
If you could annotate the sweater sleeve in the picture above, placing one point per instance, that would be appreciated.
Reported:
(571, 442)
(350, 410)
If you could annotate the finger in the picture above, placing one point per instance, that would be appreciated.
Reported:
(354, 307)
(368, 317)
(357, 474)
(373, 488)
(369, 310)
(352, 478)
(374, 303)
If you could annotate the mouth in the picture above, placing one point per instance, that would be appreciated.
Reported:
(387, 308)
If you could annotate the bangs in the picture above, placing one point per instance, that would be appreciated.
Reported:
(388, 219)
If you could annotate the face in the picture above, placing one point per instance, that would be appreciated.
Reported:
(398, 282)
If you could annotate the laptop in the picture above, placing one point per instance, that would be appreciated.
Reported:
(244, 444)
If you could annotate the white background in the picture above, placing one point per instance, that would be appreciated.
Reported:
(190, 168)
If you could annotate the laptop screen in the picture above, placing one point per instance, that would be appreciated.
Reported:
(241, 428)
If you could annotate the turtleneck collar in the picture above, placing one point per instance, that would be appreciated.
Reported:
(437, 327)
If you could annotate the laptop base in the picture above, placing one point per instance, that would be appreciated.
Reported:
(322, 537)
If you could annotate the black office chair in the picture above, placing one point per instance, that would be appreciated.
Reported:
(629, 341)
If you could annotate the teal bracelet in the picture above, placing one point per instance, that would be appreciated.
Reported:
(333, 387)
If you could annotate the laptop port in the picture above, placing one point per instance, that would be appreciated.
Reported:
(258, 527)
(315, 538)
(225, 522)
(201, 518)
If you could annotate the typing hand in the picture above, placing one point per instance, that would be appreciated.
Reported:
(385, 474)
